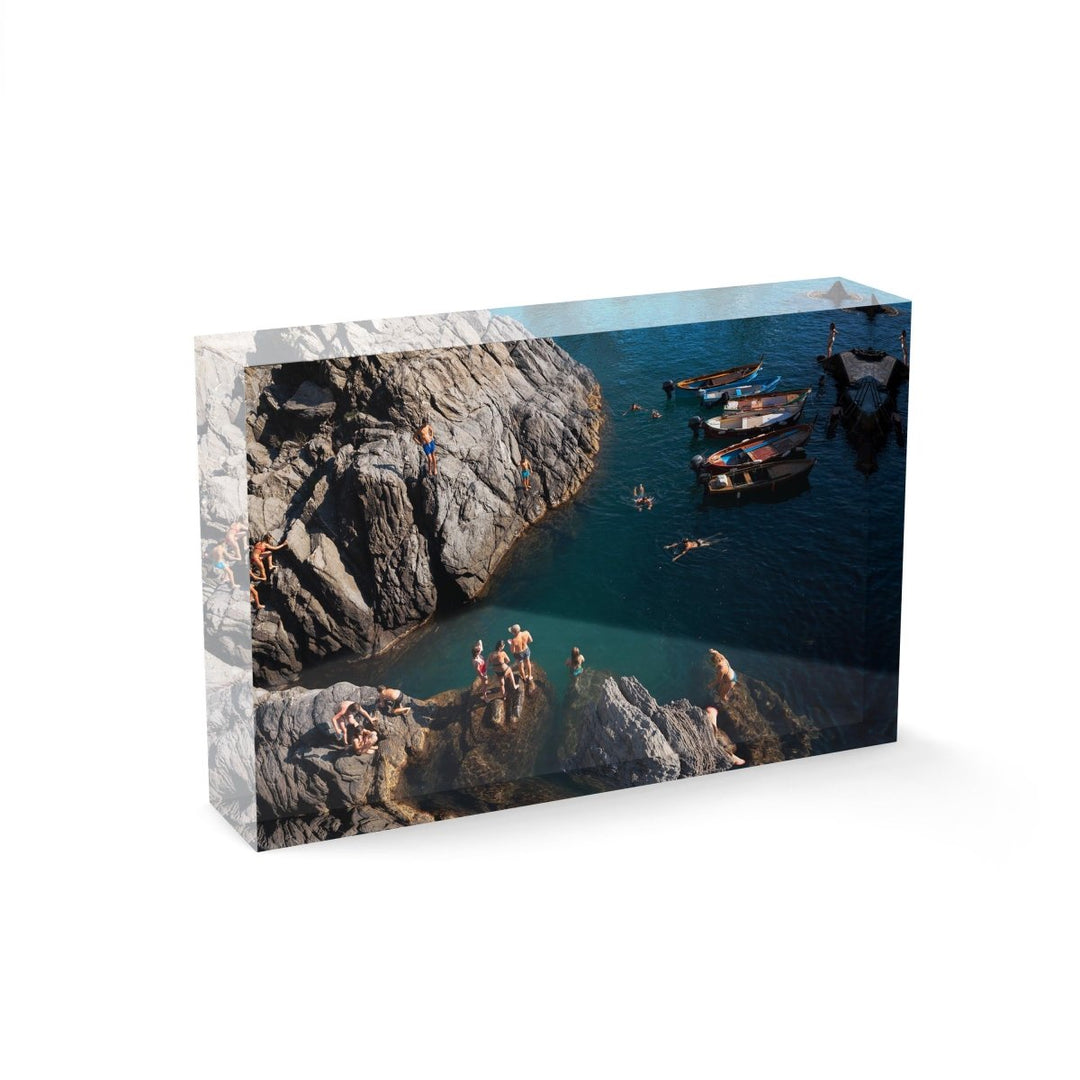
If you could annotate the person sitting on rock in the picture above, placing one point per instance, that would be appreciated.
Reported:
(526, 473)
(725, 742)
(232, 540)
(265, 547)
(348, 723)
(221, 565)
(576, 662)
(502, 669)
(725, 675)
(425, 436)
(519, 644)
(392, 702)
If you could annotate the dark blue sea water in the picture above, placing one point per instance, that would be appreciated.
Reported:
(801, 590)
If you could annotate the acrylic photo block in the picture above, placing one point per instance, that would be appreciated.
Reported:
(463, 562)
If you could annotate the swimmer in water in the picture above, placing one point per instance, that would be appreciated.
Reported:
(688, 545)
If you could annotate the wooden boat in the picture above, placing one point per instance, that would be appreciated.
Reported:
(719, 378)
(716, 427)
(782, 399)
(756, 451)
(766, 477)
(725, 393)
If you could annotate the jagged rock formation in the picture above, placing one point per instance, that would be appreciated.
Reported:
(460, 753)
(374, 545)
(453, 754)
(626, 736)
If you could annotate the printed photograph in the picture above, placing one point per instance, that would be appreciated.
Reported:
(487, 575)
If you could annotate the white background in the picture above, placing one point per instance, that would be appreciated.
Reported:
(904, 910)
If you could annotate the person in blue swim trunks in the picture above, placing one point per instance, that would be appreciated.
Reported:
(425, 436)
(520, 640)
(526, 473)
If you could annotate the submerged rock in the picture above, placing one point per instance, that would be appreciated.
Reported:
(373, 542)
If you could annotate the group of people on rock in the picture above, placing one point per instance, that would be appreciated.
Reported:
(260, 564)
(357, 729)
(500, 662)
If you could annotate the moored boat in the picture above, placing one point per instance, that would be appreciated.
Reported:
(766, 477)
(720, 394)
(781, 399)
(717, 427)
(719, 378)
(756, 451)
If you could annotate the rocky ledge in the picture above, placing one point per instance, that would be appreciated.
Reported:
(374, 545)
(459, 753)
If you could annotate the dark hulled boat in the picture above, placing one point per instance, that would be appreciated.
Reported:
(770, 447)
(756, 478)
(718, 378)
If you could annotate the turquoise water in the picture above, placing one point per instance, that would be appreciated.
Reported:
(800, 589)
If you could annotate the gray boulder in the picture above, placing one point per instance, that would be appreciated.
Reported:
(374, 543)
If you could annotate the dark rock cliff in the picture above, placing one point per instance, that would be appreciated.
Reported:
(373, 544)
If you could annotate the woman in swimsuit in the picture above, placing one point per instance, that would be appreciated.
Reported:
(478, 660)
(576, 662)
(725, 675)
(264, 547)
(500, 662)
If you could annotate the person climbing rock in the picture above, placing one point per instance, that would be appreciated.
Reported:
(221, 565)
(425, 436)
(262, 548)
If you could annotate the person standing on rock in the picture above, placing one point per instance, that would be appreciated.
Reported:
(526, 473)
(264, 547)
(502, 668)
(519, 642)
(725, 675)
(478, 661)
(425, 436)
